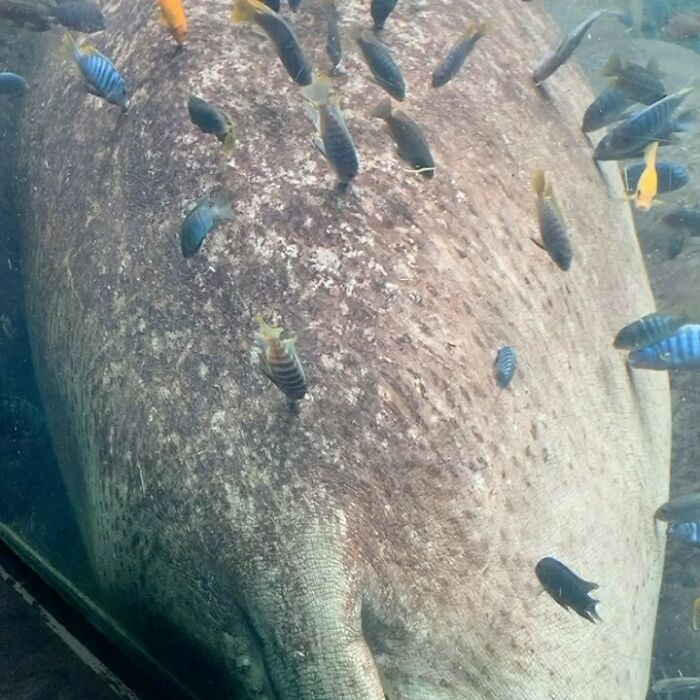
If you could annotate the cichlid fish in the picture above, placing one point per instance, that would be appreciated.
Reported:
(80, 16)
(505, 365)
(672, 685)
(639, 129)
(101, 77)
(695, 618)
(278, 360)
(200, 222)
(567, 589)
(637, 83)
(412, 144)
(457, 55)
(380, 61)
(280, 33)
(678, 351)
(686, 218)
(12, 84)
(380, 11)
(172, 14)
(608, 107)
(555, 237)
(20, 418)
(648, 183)
(648, 330)
(334, 141)
(668, 135)
(211, 120)
(560, 55)
(31, 16)
(682, 509)
(688, 532)
(334, 46)
(671, 176)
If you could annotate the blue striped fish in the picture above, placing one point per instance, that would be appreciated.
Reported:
(647, 330)
(101, 77)
(505, 365)
(201, 220)
(679, 351)
(555, 235)
(607, 108)
(639, 129)
(278, 360)
(686, 532)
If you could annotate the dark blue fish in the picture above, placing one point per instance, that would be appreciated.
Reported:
(505, 365)
(12, 84)
(686, 218)
(647, 330)
(199, 223)
(380, 61)
(679, 351)
(686, 532)
(101, 77)
(555, 235)
(80, 15)
(672, 176)
(380, 11)
(567, 589)
(638, 83)
(211, 120)
(457, 55)
(607, 108)
(637, 131)
(668, 135)
(334, 45)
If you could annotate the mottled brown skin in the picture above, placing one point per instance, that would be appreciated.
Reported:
(382, 542)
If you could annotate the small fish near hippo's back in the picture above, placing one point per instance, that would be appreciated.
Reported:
(200, 222)
(457, 55)
(80, 16)
(678, 351)
(211, 120)
(412, 145)
(385, 69)
(567, 589)
(505, 365)
(648, 330)
(555, 236)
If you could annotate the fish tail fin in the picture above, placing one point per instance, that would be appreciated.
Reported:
(230, 139)
(242, 11)
(68, 47)
(538, 182)
(320, 90)
(222, 206)
(382, 110)
(613, 66)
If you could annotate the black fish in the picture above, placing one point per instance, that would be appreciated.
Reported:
(567, 589)
(211, 120)
(24, 14)
(638, 83)
(607, 108)
(80, 15)
(380, 11)
(555, 236)
(457, 55)
(380, 61)
(648, 330)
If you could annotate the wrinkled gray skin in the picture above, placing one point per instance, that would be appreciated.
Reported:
(382, 543)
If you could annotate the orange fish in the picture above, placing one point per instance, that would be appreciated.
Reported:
(173, 15)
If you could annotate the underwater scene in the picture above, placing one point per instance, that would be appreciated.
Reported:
(350, 349)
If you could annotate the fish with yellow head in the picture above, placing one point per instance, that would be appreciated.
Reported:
(648, 184)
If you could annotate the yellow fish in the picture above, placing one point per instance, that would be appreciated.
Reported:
(173, 15)
(649, 179)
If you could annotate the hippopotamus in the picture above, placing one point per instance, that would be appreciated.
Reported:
(379, 540)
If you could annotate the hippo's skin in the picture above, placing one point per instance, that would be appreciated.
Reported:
(382, 543)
